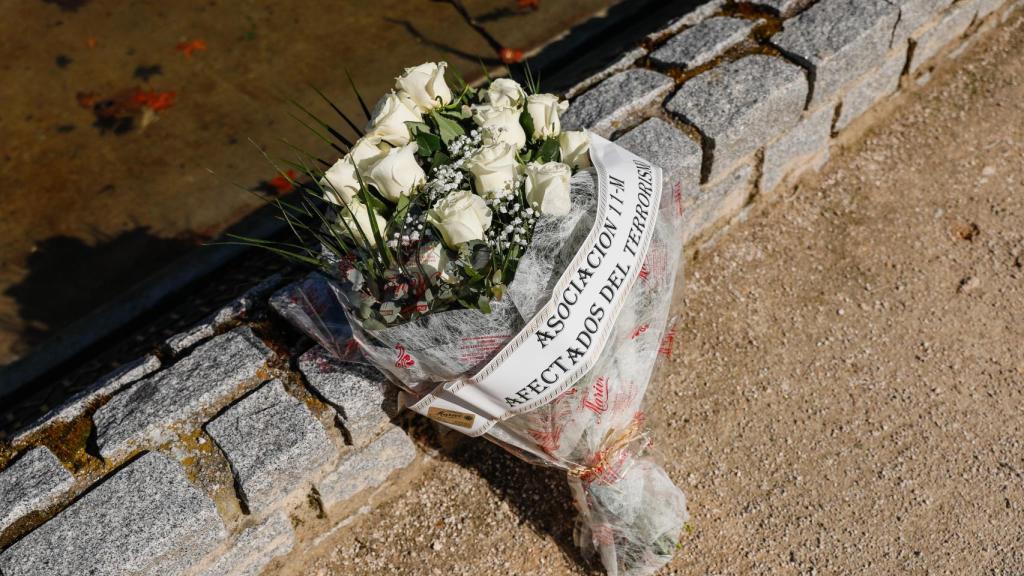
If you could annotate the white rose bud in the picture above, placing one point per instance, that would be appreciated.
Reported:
(502, 122)
(389, 117)
(425, 85)
(544, 110)
(340, 182)
(547, 187)
(494, 169)
(505, 92)
(460, 217)
(398, 173)
(355, 223)
(575, 148)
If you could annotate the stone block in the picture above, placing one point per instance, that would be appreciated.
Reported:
(913, 15)
(739, 107)
(874, 86)
(704, 42)
(147, 413)
(107, 386)
(146, 519)
(700, 13)
(785, 8)
(838, 41)
(718, 202)
(273, 443)
(364, 399)
(617, 102)
(35, 481)
(803, 148)
(932, 40)
(676, 153)
(625, 62)
(368, 468)
(254, 548)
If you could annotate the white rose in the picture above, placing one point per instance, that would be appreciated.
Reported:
(389, 117)
(460, 217)
(574, 147)
(355, 223)
(505, 92)
(494, 169)
(340, 182)
(544, 110)
(397, 174)
(547, 187)
(502, 122)
(425, 85)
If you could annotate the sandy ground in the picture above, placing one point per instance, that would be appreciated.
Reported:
(846, 394)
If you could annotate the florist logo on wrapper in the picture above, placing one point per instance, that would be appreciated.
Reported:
(565, 338)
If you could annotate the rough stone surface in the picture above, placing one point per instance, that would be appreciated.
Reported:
(676, 153)
(194, 387)
(274, 444)
(624, 62)
(952, 26)
(718, 202)
(363, 397)
(913, 15)
(741, 106)
(704, 42)
(616, 102)
(368, 468)
(803, 148)
(145, 519)
(692, 18)
(32, 483)
(874, 86)
(254, 548)
(781, 7)
(113, 382)
(986, 7)
(838, 40)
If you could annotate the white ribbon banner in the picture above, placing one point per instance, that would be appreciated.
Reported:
(566, 337)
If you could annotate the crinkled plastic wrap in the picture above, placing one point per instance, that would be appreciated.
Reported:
(630, 512)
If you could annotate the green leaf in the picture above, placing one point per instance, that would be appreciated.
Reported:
(448, 129)
(439, 158)
(428, 144)
(548, 150)
(526, 121)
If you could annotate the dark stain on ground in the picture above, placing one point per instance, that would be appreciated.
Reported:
(65, 128)
(62, 61)
(144, 73)
(68, 5)
(68, 277)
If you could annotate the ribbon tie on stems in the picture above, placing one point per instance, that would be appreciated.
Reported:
(612, 446)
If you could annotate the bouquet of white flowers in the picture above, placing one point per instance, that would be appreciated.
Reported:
(513, 279)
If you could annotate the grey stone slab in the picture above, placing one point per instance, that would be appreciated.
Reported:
(874, 86)
(617, 101)
(986, 7)
(148, 412)
(913, 15)
(625, 62)
(35, 481)
(718, 202)
(740, 106)
(254, 548)
(145, 519)
(273, 443)
(365, 400)
(803, 148)
(696, 16)
(838, 40)
(704, 42)
(368, 468)
(784, 8)
(952, 26)
(676, 153)
(107, 386)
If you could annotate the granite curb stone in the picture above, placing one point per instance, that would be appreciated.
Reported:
(783, 8)
(704, 42)
(364, 399)
(803, 148)
(913, 15)
(146, 519)
(255, 547)
(740, 106)
(874, 86)
(952, 26)
(196, 385)
(676, 153)
(719, 201)
(838, 41)
(368, 468)
(617, 101)
(273, 443)
(33, 482)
